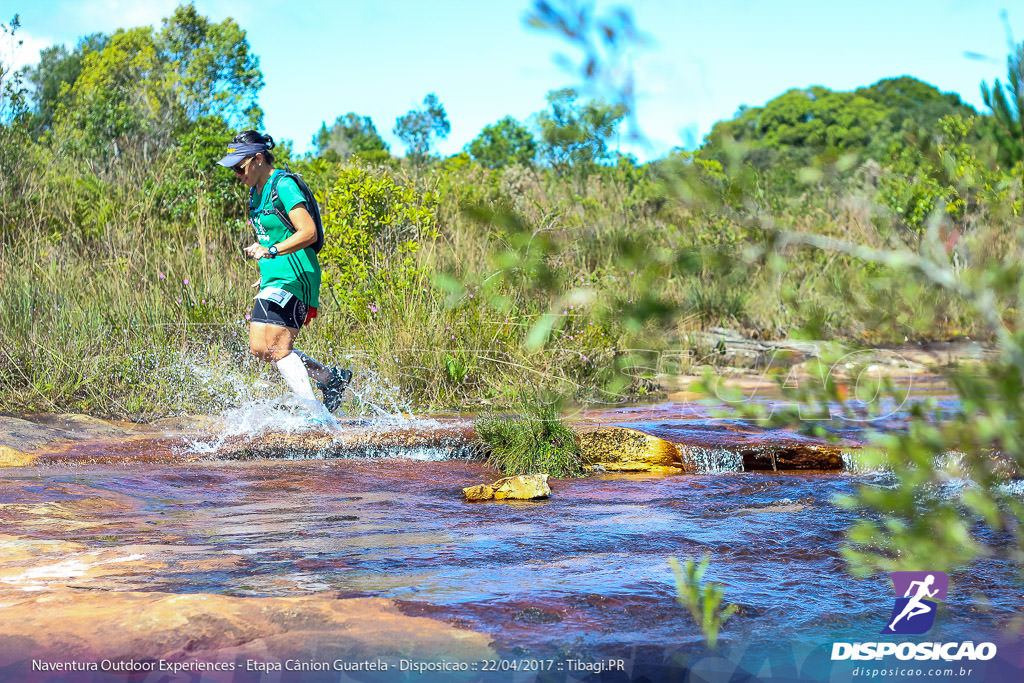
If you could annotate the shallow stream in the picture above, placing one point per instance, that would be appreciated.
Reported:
(583, 574)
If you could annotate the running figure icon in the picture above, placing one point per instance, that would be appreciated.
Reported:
(915, 607)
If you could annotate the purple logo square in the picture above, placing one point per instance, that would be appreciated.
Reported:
(916, 594)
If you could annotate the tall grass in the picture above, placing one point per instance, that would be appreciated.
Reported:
(123, 302)
(532, 441)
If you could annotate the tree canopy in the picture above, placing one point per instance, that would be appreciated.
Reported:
(503, 143)
(418, 128)
(794, 129)
(140, 88)
(349, 134)
(575, 133)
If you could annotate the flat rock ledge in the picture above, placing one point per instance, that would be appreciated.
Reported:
(70, 439)
(621, 449)
(68, 625)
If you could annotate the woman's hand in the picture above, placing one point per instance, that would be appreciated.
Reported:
(256, 251)
(258, 284)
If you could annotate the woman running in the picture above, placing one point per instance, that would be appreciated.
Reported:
(289, 286)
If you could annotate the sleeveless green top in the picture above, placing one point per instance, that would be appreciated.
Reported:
(298, 273)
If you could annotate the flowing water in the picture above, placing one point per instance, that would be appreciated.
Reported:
(582, 574)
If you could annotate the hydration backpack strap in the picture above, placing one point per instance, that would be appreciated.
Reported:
(277, 204)
(310, 201)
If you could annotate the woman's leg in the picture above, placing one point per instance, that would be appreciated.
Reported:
(317, 370)
(274, 344)
(272, 337)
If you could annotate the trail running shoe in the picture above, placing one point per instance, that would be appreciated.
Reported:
(335, 386)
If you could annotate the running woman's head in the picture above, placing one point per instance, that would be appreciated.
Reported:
(249, 156)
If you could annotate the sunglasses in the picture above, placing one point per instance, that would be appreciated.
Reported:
(240, 168)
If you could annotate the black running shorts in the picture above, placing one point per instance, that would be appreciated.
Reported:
(291, 315)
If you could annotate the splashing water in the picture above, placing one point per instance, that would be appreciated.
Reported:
(262, 405)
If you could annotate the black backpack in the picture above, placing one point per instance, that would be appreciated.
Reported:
(282, 215)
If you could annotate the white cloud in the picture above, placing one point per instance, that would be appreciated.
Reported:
(23, 50)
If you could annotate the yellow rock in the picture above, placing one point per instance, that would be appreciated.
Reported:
(481, 492)
(522, 487)
(12, 457)
(620, 449)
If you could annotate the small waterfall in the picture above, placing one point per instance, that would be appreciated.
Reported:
(712, 460)
(853, 463)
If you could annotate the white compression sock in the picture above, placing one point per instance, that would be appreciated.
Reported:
(294, 373)
(315, 368)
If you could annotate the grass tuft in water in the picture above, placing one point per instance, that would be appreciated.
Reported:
(703, 600)
(535, 440)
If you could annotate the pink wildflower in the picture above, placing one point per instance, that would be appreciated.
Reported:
(185, 281)
(160, 275)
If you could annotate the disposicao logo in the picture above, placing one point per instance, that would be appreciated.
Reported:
(914, 612)
(917, 598)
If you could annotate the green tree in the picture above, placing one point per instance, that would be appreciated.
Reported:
(350, 134)
(418, 128)
(57, 69)
(575, 134)
(817, 126)
(1006, 100)
(504, 143)
(143, 88)
(212, 69)
(122, 98)
(942, 172)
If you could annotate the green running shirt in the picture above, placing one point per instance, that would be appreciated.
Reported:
(299, 272)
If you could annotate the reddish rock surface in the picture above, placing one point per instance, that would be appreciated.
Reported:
(85, 626)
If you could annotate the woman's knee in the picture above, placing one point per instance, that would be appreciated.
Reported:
(259, 351)
(270, 353)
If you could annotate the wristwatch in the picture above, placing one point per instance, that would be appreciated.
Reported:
(272, 251)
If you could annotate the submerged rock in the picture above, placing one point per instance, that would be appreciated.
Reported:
(622, 449)
(793, 456)
(519, 487)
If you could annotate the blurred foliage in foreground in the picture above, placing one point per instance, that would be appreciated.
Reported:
(911, 205)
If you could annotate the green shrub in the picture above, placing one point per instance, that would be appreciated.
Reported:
(534, 441)
(373, 227)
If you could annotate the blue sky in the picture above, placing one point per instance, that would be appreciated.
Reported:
(704, 59)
